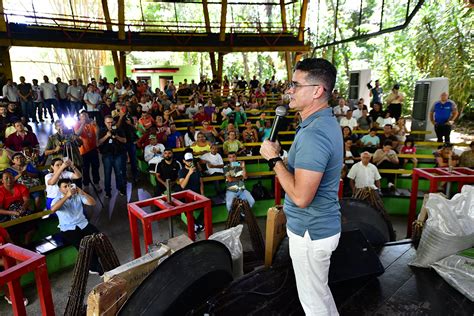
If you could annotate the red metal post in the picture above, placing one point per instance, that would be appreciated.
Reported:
(277, 191)
(208, 219)
(413, 199)
(147, 233)
(18, 262)
(190, 220)
(134, 234)
(44, 289)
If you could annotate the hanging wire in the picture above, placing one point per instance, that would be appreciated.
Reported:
(381, 15)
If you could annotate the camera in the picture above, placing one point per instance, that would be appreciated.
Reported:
(235, 164)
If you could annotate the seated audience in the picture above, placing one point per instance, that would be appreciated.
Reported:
(467, 157)
(235, 175)
(388, 135)
(445, 157)
(233, 145)
(174, 139)
(167, 169)
(153, 153)
(371, 141)
(341, 109)
(376, 112)
(26, 174)
(364, 174)
(387, 119)
(201, 146)
(214, 164)
(351, 155)
(21, 138)
(347, 133)
(249, 134)
(409, 148)
(386, 158)
(348, 120)
(364, 121)
(190, 136)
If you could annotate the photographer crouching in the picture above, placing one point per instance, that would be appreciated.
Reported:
(68, 205)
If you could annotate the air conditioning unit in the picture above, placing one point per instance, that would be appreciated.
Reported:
(358, 80)
(427, 92)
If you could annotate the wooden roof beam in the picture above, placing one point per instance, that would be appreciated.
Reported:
(207, 21)
(121, 19)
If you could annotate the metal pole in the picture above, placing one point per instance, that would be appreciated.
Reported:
(168, 198)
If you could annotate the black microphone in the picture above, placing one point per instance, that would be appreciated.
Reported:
(280, 113)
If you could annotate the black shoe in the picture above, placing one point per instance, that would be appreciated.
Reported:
(108, 195)
(198, 228)
(122, 193)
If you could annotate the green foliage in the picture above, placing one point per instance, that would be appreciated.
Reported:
(437, 43)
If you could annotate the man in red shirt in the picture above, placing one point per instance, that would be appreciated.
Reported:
(21, 138)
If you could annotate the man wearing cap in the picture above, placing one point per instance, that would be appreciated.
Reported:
(443, 113)
(189, 178)
(153, 153)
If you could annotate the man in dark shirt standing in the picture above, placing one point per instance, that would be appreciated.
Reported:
(190, 179)
(126, 125)
(26, 100)
(168, 168)
(112, 147)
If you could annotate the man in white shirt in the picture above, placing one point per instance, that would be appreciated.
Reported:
(92, 99)
(153, 153)
(10, 92)
(63, 100)
(364, 174)
(341, 109)
(348, 120)
(75, 94)
(215, 165)
(49, 97)
(358, 111)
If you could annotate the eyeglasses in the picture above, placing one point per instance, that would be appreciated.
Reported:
(294, 85)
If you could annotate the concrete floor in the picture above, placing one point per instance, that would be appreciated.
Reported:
(112, 219)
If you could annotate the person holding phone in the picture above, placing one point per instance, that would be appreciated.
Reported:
(235, 174)
(69, 206)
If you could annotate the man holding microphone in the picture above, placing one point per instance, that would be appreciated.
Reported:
(311, 183)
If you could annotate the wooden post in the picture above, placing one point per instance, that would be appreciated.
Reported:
(3, 24)
(304, 10)
(123, 66)
(206, 16)
(5, 65)
(121, 19)
(212, 58)
(223, 20)
(220, 66)
(108, 22)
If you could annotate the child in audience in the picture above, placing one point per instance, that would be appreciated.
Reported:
(409, 148)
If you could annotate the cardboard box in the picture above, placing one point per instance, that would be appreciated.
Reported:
(107, 298)
(134, 272)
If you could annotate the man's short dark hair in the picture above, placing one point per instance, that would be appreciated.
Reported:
(319, 70)
(388, 125)
(373, 129)
(388, 142)
(231, 153)
(64, 180)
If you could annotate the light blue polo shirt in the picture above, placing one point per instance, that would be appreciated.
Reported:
(71, 214)
(318, 146)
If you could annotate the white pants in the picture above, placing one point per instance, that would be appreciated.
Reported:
(311, 259)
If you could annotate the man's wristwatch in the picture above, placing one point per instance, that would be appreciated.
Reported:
(272, 162)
